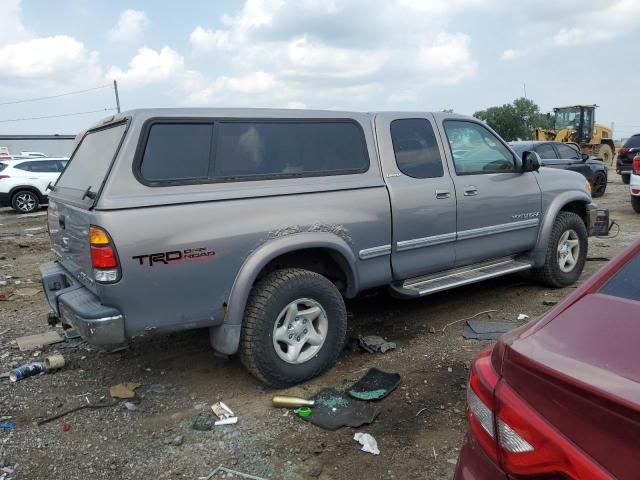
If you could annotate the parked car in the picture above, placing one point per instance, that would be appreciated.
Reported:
(625, 157)
(567, 157)
(634, 180)
(560, 396)
(23, 183)
(258, 223)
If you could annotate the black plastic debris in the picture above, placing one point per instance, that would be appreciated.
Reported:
(481, 330)
(375, 385)
(375, 343)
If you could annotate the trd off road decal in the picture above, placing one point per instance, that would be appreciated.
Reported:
(176, 256)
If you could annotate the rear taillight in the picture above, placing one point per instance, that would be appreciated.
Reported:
(514, 435)
(623, 151)
(4, 176)
(635, 166)
(104, 259)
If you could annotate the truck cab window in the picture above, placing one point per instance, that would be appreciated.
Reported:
(475, 150)
(416, 148)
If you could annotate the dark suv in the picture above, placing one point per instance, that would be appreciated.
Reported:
(630, 149)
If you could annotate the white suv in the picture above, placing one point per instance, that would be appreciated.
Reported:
(23, 182)
(634, 186)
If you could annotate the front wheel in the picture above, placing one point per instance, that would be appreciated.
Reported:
(599, 184)
(635, 203)
(25, 201)
(294, 328)
(566, 252)
(605, 152)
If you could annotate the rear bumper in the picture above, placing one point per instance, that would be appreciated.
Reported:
(5, 200)
(75, 305)
(474, 464)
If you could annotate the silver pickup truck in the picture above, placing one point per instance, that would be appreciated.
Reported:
(257, 224)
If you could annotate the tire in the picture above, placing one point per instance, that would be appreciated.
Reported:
(626, 178)
(553, 273)
(635, 203)
(599, 185)
(604, 152)
(25, 201)
(269, 310)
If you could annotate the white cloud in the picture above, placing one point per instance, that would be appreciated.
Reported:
(445, 7)
(149, 66)
(448, 58)
(314, 58)
(130, 27)
(12, 29)
(208, 40)
(45, 57)
(511, 54)
(224, 88)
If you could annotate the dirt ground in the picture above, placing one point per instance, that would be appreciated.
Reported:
(419, 429)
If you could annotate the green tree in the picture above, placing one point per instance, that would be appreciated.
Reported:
(515, 120)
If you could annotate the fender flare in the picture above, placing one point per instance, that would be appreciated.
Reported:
(225, 338)
(539, 252)
(41, 197)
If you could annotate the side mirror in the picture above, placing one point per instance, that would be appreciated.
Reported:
(530, 161)
(584, 157)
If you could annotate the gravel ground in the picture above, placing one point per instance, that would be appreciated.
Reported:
(419, 429)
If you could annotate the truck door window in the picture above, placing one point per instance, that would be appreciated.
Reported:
(416, 148)
(475, 150)
(567, 152)
(546, 151)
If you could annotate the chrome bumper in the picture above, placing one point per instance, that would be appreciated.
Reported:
(75, 305)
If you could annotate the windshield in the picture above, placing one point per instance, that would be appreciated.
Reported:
(568, 118)
(89, 164)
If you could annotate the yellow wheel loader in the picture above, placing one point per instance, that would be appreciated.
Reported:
(575, 124)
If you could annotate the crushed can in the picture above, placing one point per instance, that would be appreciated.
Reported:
(28, 370)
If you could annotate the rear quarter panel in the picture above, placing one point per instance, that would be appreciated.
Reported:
(232, 220)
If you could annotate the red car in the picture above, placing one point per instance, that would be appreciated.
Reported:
(559, 398)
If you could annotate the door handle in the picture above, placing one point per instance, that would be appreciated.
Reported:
(470, 190)
(441, 194)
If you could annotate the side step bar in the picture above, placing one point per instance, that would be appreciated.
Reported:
(437, 282)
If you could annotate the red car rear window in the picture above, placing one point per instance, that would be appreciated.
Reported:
(625, 282)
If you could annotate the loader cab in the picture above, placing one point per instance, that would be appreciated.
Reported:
(579, 119)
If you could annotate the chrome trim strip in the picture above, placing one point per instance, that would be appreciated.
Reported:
(502, 228)
(425, 241)
(374, 252)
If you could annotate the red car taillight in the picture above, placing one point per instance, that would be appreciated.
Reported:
(103, 256)
(623, 151)
(514, 435)
(4, 176)
(635, 167)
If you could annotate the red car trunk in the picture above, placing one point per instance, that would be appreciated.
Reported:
(581, 372)
(561, 396)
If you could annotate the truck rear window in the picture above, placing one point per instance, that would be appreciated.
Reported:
(625, 282)
(179, 152)
(89, 163)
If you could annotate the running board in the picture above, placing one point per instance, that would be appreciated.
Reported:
(437, 282)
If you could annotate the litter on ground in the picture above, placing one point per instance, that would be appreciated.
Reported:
(368, 443)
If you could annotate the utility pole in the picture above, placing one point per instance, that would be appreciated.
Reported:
(525, 89)
(115, 89)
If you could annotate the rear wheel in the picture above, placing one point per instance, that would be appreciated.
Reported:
(566, 252)
(626, 178)
(605, 152)
(599, 184)
(294, 328)
(635, 203)
(25, 201)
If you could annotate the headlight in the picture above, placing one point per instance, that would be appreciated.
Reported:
(588, 187)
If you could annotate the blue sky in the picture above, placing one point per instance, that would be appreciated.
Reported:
(351, 55)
